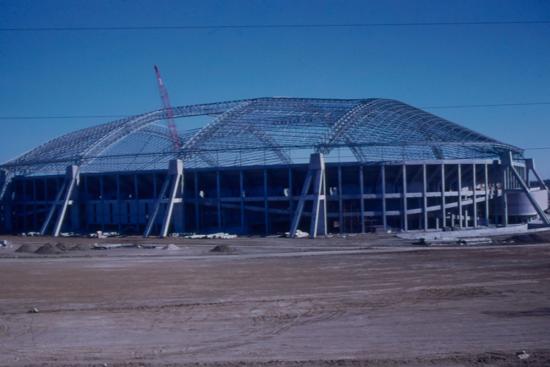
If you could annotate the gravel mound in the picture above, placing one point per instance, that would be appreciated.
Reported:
(63, 247)
(48, 249)
(27, 248)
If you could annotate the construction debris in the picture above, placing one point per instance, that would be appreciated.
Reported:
(30, 234)
(68, 234)
(449, 241)
(474, 241)
(212, 236)
(111, 246)
(101, 234)
(523, 355)
(299, 234)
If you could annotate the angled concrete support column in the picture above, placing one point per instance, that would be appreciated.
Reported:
(4, 181)
(530, 166)
(173, 184)
(507, 160)
(5, 201)
(64, 198)
(315, 179)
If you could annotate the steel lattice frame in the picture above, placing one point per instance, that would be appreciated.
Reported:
(263, 131)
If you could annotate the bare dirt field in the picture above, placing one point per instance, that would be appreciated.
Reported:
(274, 302)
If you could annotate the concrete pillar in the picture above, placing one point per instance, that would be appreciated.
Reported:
(486, 178)
(340, 201)
(319, 212)
(242, 195)
(75, 211)
(175, 182)
(474, 196)
(383, 182)
(72, 180)
(290, 193)
(171, 186)
(443, 209)
(3, 183)
(530, 166)
(424, 197)
(118, 204)
(508, 161)
(102, 201)
(405, 224)
(24, 205)
(197, 199)
(315, 175)
(266, 204)
(5, 202)
(362, 202)
(135, 212)
(505, 185)
(218, 201)
(63, 198)
(179, 210)
(460, 212)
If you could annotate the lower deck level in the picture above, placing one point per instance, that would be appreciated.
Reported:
(353, 197)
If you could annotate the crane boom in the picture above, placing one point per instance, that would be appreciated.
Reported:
(174, 136)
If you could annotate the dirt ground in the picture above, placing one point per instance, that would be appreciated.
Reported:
(358, 301)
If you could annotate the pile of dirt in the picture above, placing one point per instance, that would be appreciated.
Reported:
(27, 248)
(63, 247)
(49, 249)
(223, 249)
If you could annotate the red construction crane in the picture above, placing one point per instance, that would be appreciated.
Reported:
(174, 136)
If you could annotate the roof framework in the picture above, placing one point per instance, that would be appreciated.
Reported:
(264, 131)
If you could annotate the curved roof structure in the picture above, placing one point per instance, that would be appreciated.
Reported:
(264, 131)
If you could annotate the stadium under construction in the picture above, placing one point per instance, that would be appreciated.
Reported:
(272, 165)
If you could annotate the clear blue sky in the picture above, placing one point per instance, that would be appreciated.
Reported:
(102, 72)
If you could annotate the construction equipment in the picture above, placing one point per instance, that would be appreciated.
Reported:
(173, 131)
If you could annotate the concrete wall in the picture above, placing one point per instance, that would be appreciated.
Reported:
(519, 204)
